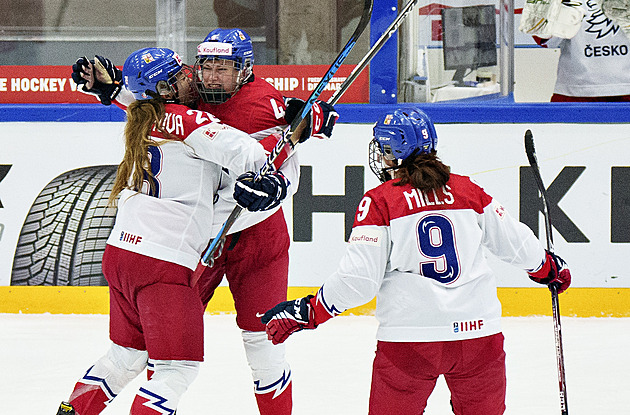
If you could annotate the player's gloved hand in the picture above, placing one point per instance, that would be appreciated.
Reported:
(264, 194)
(98, 77)
(288, 317)
(545, 19)
(320, 120)
(79, 69)
(553, 271)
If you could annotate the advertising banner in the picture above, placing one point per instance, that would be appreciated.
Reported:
(55, 180)
(53, 84)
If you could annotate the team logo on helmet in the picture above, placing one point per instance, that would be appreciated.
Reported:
(388, 119)
(147, 58)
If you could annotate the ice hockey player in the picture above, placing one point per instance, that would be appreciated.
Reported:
(418, 244)
(167, 183)
(229, 90)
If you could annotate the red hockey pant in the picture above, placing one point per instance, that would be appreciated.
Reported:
(404, 375)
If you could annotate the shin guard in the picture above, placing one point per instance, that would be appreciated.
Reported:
(271, 374)
(103, 381)
(161, 394)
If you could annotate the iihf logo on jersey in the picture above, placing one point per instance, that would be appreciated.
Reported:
(471, 325)
(130, 238)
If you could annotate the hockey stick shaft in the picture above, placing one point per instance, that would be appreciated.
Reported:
(217, 242)
(555, 304)
(286, 136)
(391, 29)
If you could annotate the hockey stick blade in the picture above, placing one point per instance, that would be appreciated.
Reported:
(207, 259)
(530, 150)
(555, 303)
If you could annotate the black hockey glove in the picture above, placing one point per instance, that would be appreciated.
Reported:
(264, 194)
(320, 120)
(98, 77)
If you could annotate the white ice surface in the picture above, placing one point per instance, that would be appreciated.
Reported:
(43, 356)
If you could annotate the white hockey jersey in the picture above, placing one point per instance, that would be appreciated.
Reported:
(596, 62)
(257, 109)
(423, 256)
(173, 220)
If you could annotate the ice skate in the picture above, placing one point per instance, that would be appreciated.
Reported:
(65, 409)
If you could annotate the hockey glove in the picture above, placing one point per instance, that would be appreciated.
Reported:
(288, 317)
(548, 18)
(263, 194)
(98, 77)
(553, 271)
(320, 120)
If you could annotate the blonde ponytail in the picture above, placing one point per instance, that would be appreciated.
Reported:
(142, 116)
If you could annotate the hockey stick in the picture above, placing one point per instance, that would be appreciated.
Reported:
(391, 29)
(208, 257)
(555, 305)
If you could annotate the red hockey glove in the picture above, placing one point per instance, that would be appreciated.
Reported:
(320, 120)
(553, 271)
(290, 316)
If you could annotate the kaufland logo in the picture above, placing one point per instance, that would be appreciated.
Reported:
(214, 48)
(364, 238)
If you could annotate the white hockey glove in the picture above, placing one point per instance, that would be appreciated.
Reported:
(619, 12)
(547, 18)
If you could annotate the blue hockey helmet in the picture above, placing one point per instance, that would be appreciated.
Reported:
(397, 135)
(219, 46)
(152, 72)
(231, 44)
(404, 132)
